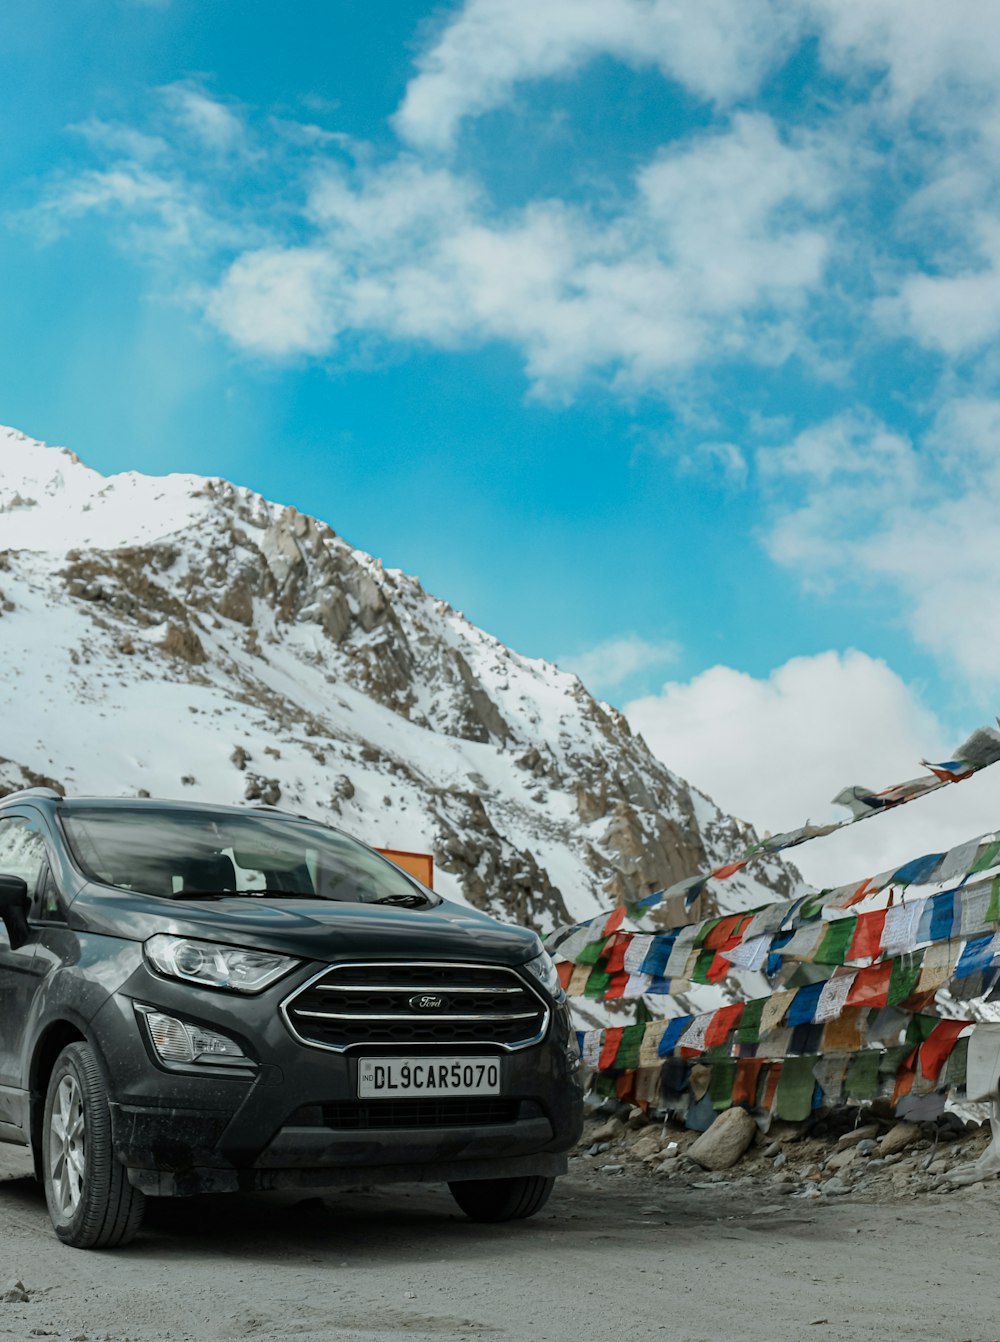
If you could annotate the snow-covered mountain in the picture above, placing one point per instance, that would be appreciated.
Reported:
(182, 637)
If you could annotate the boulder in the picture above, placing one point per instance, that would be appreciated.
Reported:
(898, 1138)
(609, 1131)
(840, 1159)
(862, 1134)
(646, 1147)
(722, 1145)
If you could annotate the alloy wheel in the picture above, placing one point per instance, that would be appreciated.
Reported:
(67, 1134)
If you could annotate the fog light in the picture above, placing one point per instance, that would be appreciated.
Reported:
(180, 1041)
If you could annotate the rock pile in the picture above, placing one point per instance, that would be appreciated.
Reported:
(864, 1152)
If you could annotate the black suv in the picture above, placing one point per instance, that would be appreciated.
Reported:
(204, 998)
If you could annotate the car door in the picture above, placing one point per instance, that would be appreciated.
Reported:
(22, 853)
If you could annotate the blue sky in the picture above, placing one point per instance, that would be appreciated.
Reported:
(660, 336)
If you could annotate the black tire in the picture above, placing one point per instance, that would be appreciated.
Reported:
(91, 1202)
(502, 1199)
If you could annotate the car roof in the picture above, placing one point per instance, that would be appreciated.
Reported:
(51, 800)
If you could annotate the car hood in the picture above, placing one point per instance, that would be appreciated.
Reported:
(310, 929)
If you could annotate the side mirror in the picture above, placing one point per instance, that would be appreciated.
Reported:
(14, 905)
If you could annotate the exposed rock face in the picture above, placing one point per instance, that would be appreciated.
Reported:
(187, 628)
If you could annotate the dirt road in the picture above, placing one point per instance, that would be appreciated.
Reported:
(612, 1257)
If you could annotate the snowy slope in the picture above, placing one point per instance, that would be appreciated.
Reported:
(183, 637)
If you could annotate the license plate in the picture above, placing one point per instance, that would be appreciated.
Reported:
(394, 1077)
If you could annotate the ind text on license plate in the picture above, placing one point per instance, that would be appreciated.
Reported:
(394, 1077)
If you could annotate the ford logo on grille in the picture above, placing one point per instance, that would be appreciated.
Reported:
(426, 1002)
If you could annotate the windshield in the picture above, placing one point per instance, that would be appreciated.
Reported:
(178, 854)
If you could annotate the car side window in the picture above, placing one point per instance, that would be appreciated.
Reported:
(22, 853)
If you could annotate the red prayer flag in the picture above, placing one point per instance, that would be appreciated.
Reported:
(771, 1085)
(625, 1087)
(904, 1084)
(725, 1019)
(718, 969)
(747, 1077)
(871, 986)
(612, 1042)
(616, 988)
(938, 1044)
(615, 920)
(867, 940)
(722, 932)
(730, 869)
(860, 893)
(615, 962)
(565, 971)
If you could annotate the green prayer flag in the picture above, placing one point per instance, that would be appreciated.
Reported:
(704, 930)
(627, 1057)
(919, 1029)
(811, 907)
(892, 1059)
(701, 967)
(832, 950)
(796, 1087)
(988, 858)
(993, 912)
(592, 952)
(955, 1067)
(720, 1087)
(904, 977)
(862, 1076)
(749, 1027)
(598, 984)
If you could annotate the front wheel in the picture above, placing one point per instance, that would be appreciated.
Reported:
(502, 1199)
(91, 1202)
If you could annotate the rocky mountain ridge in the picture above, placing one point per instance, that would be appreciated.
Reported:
(182, 636)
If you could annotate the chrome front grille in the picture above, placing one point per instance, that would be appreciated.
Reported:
(420, 1004)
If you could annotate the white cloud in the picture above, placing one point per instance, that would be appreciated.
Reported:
(717, 48)
(607, 665)
(927, 50)
(160, 211)
(278, 302)
(775, 750)
(724, 460)
(954, 313)
(217, 127)
(714, 244)
(854, 502)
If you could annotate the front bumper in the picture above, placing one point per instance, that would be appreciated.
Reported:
(179, 1133)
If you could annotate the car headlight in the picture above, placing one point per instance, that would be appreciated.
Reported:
(543, 969)
(212, 966)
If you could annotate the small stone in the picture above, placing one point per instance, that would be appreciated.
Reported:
(772, 1150)
(835, 1187)
(612, 1169)
(780, 1159)
(898, 1138)
(866, 1146)
(14, 1293)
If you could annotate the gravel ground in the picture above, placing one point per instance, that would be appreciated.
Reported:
(611, 1256)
